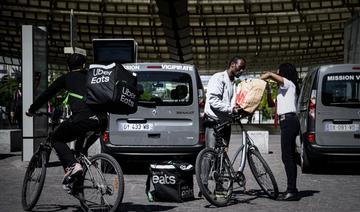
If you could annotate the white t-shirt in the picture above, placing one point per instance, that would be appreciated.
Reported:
(286, 97)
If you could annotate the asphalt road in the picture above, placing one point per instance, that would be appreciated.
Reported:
(335, 187)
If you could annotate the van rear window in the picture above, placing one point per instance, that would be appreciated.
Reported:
(164, 88)
(341, 89)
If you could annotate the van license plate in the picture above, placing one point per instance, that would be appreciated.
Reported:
(342, 127)
(135, 127)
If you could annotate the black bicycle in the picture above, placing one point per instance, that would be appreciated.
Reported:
(100, 188)
(215, 172)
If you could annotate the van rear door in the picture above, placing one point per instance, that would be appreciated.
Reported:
(338, 106)
(167, 115)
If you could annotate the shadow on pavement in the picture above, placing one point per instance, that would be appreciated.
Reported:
(136, 168)
(257, 193)
(339, 168)
(242, 200)
(54, 207)
(307, 193)
(247, 197)
(128, 206)
(4, 156)
(235, 200)
(140, 165)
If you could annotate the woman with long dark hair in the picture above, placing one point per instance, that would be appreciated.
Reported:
(287, 93)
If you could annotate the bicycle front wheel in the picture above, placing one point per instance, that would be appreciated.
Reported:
(34, 180)
(214, 177)
(262, 173)
(103, 184)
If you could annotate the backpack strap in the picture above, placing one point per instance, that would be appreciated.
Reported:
(65, 102)
(147, 188)
(149, 194)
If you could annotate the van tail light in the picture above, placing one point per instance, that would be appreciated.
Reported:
(356, 68)
(311, 117)
(202, 138)
(312, 104)
(201, 99)
(201, 104)
(311, 137)
(106, 137)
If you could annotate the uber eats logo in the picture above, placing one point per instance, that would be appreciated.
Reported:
(127, 97)
(163, 179)
(100, 75)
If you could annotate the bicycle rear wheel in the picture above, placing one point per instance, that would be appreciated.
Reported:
(34, 180)
(262, 173)
(214, 177)
(103, 184)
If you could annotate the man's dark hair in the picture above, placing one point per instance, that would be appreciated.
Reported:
(235, 59)
(288, 71)
(76, 61)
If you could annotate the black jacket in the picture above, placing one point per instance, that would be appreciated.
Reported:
(74, 82)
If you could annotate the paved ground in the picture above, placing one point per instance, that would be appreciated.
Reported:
(336, 187)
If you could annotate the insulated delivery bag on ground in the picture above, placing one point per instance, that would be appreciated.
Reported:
(249, 94)
(171, 182)
(111, 88)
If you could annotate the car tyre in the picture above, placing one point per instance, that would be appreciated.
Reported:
(306, 166)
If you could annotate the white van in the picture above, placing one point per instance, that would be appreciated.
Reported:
(329, 114)
(168, 120)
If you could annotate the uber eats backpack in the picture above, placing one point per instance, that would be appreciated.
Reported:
(171, 182)
(110, 88)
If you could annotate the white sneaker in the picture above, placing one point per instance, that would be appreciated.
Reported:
(72, 172)
(67, 188)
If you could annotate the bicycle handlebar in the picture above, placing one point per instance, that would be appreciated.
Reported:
(234, 118)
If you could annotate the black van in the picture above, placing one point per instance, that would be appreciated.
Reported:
(329, 114)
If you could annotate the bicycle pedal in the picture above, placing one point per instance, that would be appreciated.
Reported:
(72, 178)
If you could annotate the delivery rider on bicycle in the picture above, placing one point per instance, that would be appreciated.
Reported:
(83, 119)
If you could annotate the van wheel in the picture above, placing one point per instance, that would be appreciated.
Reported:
(305, 161)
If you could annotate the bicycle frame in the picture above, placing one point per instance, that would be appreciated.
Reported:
(246, 143)
(243, 150)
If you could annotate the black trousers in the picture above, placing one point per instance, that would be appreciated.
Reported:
(211, 140)
(75, 129)
(289, 130)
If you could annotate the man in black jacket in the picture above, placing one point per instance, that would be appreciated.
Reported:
(83, 119)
